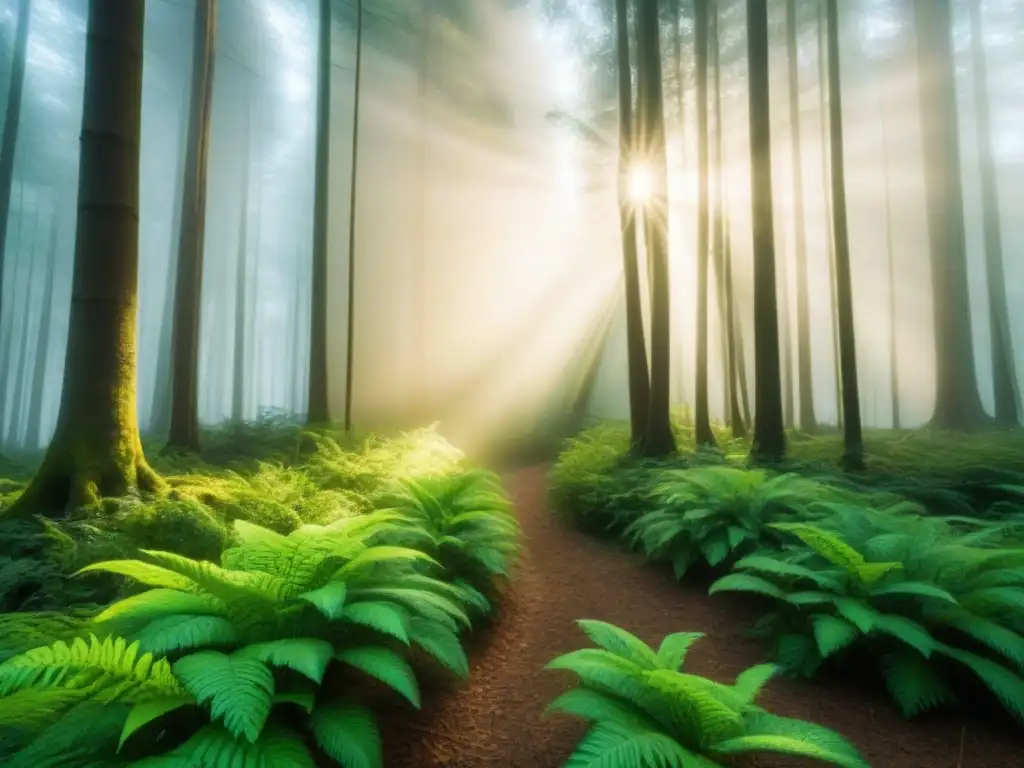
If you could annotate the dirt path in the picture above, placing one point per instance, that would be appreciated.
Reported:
(493, 719)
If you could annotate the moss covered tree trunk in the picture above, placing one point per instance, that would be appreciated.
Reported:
(184, 430)
(96, 450)
(659, 440)
(769, 434)
(957, 400)
(853, 443)
(636, 343)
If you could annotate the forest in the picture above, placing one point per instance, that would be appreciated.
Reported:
(513, 383)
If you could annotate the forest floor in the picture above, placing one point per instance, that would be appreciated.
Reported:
(494, 718)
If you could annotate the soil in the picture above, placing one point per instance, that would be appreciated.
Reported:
(494, 718)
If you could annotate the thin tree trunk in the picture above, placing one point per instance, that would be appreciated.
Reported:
(957, 400)
(785, 330)
(853, 443)
(894, 373)
(659, 440)
(20, 371)
(827, 178)
(184, 432)
(1004, 377)
(702, 418)
(8, 328)
(636, 343)
(769, 434)
(351, 324)
(242, 357)
(96, 450)
(318, 409)
(805, 381)
(39, 377)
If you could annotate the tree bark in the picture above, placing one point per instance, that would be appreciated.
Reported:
(702, 418)
(659, 440)
(636, 342)
(39, 378)
(96, 450)
(894, 373)
(853, 443)
(318, 409)
(805, 382)
(184, 431)
(1004, 375)
(238, 388)
(769, 434)
(957, 400)
(20, 371)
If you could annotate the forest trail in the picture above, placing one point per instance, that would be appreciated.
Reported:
(493, 719)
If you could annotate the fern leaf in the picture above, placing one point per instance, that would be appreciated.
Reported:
(181, 633)
(857, 612)
(832, 633)
(32, 708)
(913, 683)
(144, 573)
(914, 589)
(386, 666)
(307, 656)
(751, 681)
(440, 643)
(613, 745)
(620, 642)
(826, 544)
(600, 707)
(348, 734)
(910, 632)
(673, 649)
(328, 599)
(772, 566)
(386, 618)
(1007, 686)
(157, 603)
(703, 712)
(769, 733)
(214, 747)
(146, 712)
(744, 582)
(238, 689)
(383, 554)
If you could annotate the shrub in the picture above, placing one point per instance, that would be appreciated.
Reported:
(647, 713)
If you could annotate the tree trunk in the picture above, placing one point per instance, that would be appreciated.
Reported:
(7, 343)
(636, 343)
(957, 401)
(769, 435)
(853, 443)
(318, 407)
(238, 388)
(12, 122)
(702, 418)
(894, 374)
(659, 440)
(96, 450)
(1004, 377)
(20, 371)
(350, 326)
(785, 330)
(184, 432)
(805, 381)
(39, 377)
(826, 178)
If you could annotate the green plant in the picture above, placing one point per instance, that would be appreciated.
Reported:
(909, 591)
(469, 527)
(250, 642)
(647, 713)
(714, 513)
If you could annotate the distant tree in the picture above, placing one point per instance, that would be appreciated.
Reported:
(894, 370)
(957, 400)
(238, 388)
(184, 427)
(853, 443)
(96, 450)
(769, 434)
(1004, 377)
(45, 332)
(650, 135)
(636, 343)
(804, 380)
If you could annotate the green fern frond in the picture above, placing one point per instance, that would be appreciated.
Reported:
(214, 747)
(750, 682)
(608, 744)
(348, 734)
(832, 634)
(183, 633)
(913, 683)
(238, 689)
(785, 736)
(673, 649)
(442, 644)
(620, 642)
(384, 665)
(158, 603)
(307, 656)
(387, 618)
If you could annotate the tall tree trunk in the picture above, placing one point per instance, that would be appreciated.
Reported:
(805, 381)
(769, 434)
(894, 373)
(853, 443)
(957, 401)
(723, 257)
(184, 432)
(96, 450)
(659, 440)
(12, 122)
(20, 371)
(636, 342)
(826, 177)
(1004, 377)
(785, 330)
(242, 358)
(675, 13)
(318, 407)
(7, 343)
(702, 418)
(39, 377)
(351, 324)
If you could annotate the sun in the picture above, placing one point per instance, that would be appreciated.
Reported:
(640, 183)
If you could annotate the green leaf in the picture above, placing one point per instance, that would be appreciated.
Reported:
(387, 618)
(382, 554)
(179, 633)
(348, 734)
(913, 684)
(744, 582)
(328, 599)
(600, 707)
(239, 690)
(144, 573)
(769, 733)
(914, 589)
(147, 711)
(750, 682)
(673, 649)
(385, 665)
(307, 656)
(441, 643)
(620, 642)
(832, 633)
(910, 632)
(156, 603)
(857, 612)
(771, 565)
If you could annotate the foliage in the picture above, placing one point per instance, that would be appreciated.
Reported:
(250, 643)
(925, 599)
(645, 711)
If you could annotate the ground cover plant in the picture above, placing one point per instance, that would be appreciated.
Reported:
(646, 712)
(220, 660)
